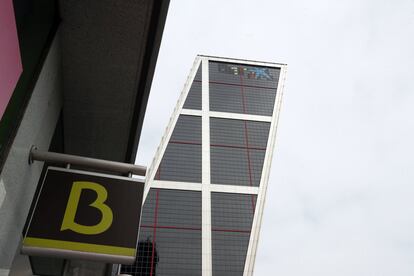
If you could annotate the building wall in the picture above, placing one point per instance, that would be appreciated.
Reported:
(207, 183)
(18, 179)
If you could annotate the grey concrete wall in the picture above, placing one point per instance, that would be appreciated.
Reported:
(18, 180)
(84, 268)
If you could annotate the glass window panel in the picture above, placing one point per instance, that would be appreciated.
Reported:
(179, 252)
(174, 233)
(237, 151)
(229, 166)
(229, 253)
(251, 75)
(227, 132)
(179, 208)
(147, 216)
(231, 219)
(198, 74)
(259, 101)
(239, 88)
(258, 134)
(223, 72)
(230, 132)
(232, 211)
(256, 165)
(235, 166)
(225, 98)
(187, 129)
(258, 76)
(193, 100)
(182, 158)
(146, 259)
(181, 162)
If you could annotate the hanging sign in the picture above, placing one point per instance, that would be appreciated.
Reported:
(85, 215)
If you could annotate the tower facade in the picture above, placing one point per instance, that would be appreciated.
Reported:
(206, 186)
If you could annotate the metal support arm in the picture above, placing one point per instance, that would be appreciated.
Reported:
(91, 163)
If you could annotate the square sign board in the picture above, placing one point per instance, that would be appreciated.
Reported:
(85, 215)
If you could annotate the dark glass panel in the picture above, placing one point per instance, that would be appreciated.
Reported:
(182, 158)
(229, 253)
(237, 151)
(231, 219)
(187, 129)
(235, 166)
(179, 208)
(229, 166)
(257, 134)
(179, 252)
(232, 211)
(256, 165)
(227, 132)
(147, 258)
(259, 101)
(147, 216)
(173, 231)
(198, 74)
(193, 100)
(250, 75)
(241, 88)
(181, 162)
(226, 98)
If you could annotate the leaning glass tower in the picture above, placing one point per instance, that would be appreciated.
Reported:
(206, 187)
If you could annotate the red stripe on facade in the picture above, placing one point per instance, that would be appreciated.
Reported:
(242, 93)
(172, 227)
(237, 147)
(154, 232)
(247, 141)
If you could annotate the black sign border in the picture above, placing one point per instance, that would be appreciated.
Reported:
(80, 254)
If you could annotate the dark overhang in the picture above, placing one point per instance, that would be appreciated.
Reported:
(109, 52)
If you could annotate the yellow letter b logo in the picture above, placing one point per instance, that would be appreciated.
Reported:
(70, 213)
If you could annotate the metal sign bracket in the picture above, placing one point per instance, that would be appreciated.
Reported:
(87, 162)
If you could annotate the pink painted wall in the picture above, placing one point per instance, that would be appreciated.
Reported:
(10, 62)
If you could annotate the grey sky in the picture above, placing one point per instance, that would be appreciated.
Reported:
(341, 191)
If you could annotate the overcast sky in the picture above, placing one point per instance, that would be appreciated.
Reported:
(341, 192)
